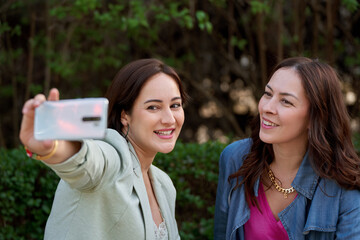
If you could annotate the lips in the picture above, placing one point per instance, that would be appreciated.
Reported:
(164, 132)
(268, 123)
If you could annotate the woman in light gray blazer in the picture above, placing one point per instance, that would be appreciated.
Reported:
(109, 188)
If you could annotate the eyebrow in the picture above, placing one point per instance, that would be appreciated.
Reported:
(283, 93)
(158, 100)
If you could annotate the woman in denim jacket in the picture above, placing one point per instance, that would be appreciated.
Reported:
(298, 177)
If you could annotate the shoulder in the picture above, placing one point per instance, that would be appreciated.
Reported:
(329, 187)
(113, 137)
(348, 221)
(350, 199)
(235, 152)
(117, 142)
(329, 194)
(161, 176)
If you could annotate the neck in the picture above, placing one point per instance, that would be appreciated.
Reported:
(288, 158)
(145, 165)
(145, 160)
(144, 157)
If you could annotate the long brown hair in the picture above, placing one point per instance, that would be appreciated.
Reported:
(128, 83)
(331, 150)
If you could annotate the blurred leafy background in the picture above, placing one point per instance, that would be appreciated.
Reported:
(222, 49)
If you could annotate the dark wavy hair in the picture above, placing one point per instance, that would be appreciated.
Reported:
(127, 84)
(331, 150)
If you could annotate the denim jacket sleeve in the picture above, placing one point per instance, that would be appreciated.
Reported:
(221, 205)
(230, 161)
(348, 226)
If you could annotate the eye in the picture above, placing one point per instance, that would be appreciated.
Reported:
(176, 105)
(286, 102)
(152, 107)
(268, 94)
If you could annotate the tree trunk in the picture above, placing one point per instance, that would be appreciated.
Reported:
(47, 80)
(253, 82)
(280, 28)
(315, 30)
(299, 18)
(330, 32)
(31, 56)
(2, 139)
(15, 104)
(261, 47)
(231, 28)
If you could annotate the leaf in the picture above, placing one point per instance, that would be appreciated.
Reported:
(351, 5)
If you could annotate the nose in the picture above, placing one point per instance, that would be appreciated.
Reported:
(268, 105)
(168, 117)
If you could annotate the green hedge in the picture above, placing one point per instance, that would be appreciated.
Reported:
(26, 192)
(27, 187)
(194, 171)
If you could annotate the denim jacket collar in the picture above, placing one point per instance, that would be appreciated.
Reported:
(305, 180)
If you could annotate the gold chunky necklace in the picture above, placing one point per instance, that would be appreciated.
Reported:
(285, 191)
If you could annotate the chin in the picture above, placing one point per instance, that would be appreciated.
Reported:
(167, 149)
(265, 139)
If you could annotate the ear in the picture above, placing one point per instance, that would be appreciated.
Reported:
(124, 118)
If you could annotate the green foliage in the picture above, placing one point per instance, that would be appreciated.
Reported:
(239, 43)
(203, 19)
(356, 141)
(182, 16)
(219, 3)
(353, 60)
(27, 187)
(89, 37)
(6, 91)
(194, 170)
(258, 6)
(4, 27)
(78, 46)
(26, 193)
(351, 5)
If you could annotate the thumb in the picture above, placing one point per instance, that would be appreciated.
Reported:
(54, 95)
(47, 143)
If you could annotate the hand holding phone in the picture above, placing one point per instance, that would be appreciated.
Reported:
(71, 119)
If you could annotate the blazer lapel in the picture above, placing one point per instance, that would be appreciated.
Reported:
(142, 194)
(163, 203)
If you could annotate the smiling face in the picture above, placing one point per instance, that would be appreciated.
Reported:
(284, 110)
(156, 117)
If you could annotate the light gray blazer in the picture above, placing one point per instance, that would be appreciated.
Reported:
(102, 195)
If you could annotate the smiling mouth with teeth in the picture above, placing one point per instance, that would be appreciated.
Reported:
(164, 133)
(267, 123)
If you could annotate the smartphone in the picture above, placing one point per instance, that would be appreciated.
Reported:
(71, 119)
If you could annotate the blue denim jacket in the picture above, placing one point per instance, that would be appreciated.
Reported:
(322, 209)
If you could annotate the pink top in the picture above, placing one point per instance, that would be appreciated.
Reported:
(263, 225)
